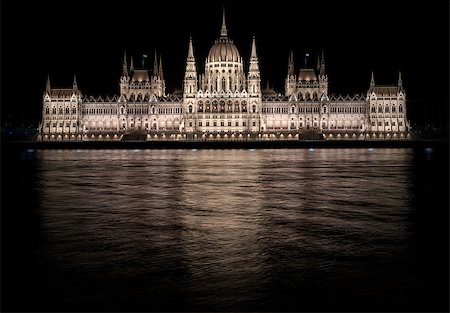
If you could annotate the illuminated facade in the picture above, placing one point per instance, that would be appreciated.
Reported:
(224, 103)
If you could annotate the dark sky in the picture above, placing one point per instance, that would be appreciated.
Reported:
(88, 38)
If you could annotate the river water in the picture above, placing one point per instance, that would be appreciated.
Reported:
(225, 230)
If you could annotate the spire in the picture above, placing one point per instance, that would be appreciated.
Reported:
(223, 31)
(318, 63)
(372, 81)
(291, 64)
(253, 55)
(160, 67)
(400, 83)
(191, 50)
(75, 86)
(155, 65)
(322, 65)
(47, 88)
(131, 64)
(124, 67)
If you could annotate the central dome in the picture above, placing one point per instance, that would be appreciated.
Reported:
(223, 50)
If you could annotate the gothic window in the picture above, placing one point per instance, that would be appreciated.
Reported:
(293, 109)
(244, 124)
(386, 109)
(60, 110)
(200, 123)
(237, 123)
(380, 124)
(400, 109)
(254, 123)
(190, 109)
(67, 110)
(47, 110)
(229, 123)
(207, 123)
(254, 108)
(373, 123)
(386, 124)
(223, 83)
(380, 109)
(393, 109)
(121, 110)
(222, 123)
(400, 123)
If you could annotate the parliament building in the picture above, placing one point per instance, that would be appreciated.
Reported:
(224, 103)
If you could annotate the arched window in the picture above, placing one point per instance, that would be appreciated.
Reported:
(74, 110)
(400, 109)
(190, 109)
(47, 110)
(254, 108)
(67, 110)
(293, 109)
(223, 83)
(386, 109)
(121, 110)
(60, 110)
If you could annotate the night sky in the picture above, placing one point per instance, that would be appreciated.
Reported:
(88, 38)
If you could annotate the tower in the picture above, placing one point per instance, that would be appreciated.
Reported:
(48, 89)
(124, 79)
(290, 77)
(254, 80)
(323, 78)
(190, 76)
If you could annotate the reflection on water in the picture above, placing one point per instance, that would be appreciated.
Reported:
(323, 229)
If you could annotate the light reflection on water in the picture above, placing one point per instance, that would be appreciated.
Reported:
(226, 229)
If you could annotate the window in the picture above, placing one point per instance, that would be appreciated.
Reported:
(393, 123)
(200, 123)
(254, 109)
(400, 123)
(244, 124)
(292, 125)
(393, 109)
(207, 123)
(47, 110)
(237, 124)
(229, 123)
(373, 123)
(215, 123)
(254, 123)
(67, 124)
(60, 124)
(67, 110)
(400, 109)
(60, 110)
(190, 109)
(54, 110)
(222, 123)
(190, 124)
(386, 109)
(380, 124)
(386, 124)
(380, 109)
(54, 124)
(47, 124)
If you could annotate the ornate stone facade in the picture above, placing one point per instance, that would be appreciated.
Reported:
(225, 103)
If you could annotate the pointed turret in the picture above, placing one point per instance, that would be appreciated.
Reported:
(74, 85)
(223, 30)
(155, 66)
(131, 64)
(400, 83)
(291, 64)
(48, 89)
(190, 76)
(322, 65)
(254, 81)
(318, 64)
(372, 81)
(124, 67)
(160, 70)
(190, 56)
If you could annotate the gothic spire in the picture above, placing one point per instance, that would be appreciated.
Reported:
(318, 63)
(322, 65)
(131, 64)
(124, 67)
(75, 86)
(291, 64)
(47, 88)
(191, 50)
(400, 83)
(155, 65)
(253, 55)
(223, 31)
(372, 81)
(160, 67)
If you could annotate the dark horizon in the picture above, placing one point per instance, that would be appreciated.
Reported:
(88, 39)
